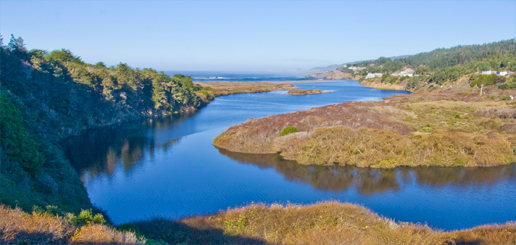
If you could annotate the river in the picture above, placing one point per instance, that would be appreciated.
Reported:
(169, 168)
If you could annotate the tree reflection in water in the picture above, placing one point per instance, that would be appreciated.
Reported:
(369, 181)
(98, 151)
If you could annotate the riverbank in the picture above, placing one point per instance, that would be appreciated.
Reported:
(441, 128)
(322, 223)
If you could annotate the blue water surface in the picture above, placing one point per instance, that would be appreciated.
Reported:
(169, 168)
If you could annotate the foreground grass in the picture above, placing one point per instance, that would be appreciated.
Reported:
(18, 227)
(440, 129)
(322, 223)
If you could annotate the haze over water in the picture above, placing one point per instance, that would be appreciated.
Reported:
(169, 168)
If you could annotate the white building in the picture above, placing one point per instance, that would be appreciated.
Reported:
(373, 75)
(487, 72)
(356, 68)
(502, 73)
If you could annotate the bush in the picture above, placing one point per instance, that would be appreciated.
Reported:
(288, 130)
(386, 78)
(86, 217)
(16, 142)
(473, 77)
(483, 80)
(507, 85)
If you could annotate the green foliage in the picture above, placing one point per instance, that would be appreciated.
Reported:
(234, 227)
(473, 77)
(413, 83)
(65, 56)
(511, 85)
(440, 76)
(422, 70)
(46, 97)
(386, 78)
(432, 87)
(288, 130)
(86, 217)
(403, 78)
(16, 142)
(483, 80)
(450, 64)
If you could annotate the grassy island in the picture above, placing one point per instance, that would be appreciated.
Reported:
(438, 129)
(210, 90)
(298, 91)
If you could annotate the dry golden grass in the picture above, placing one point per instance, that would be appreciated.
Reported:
(487, 234)
(322, 223)
(96, 233)
(298, 91)
(226, 88)
(447, 129)
(18, 227)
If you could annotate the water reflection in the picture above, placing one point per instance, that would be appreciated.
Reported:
(169, 168)
(370, 181)
(98, 151)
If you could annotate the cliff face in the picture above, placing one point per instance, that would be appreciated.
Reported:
(334, 75)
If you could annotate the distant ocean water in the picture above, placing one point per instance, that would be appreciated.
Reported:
(204, 76)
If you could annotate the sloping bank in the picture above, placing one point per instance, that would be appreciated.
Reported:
(48, 96)
(322, 223)
(439, 129)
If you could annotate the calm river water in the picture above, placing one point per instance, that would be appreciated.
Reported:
(169, 168)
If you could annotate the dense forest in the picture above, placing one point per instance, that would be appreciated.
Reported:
(48, 96)
(449, 64)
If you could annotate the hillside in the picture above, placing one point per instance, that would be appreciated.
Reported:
(440, 64)
(48, 96)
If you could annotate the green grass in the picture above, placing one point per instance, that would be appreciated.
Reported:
(288, 130)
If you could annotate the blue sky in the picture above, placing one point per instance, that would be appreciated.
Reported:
(258, 36)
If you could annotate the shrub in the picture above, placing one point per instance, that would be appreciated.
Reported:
(288, 130)
(403, 78)
(507, 85)
(16, 142)
(386, 78)
(86, 217)
(483, 80)
(473, 77)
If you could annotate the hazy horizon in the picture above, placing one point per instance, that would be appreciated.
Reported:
(252, 36)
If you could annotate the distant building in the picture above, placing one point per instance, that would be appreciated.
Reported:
(356, 68)
(408, 72)
(373, 75)
(502, 73)
(487, 72)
